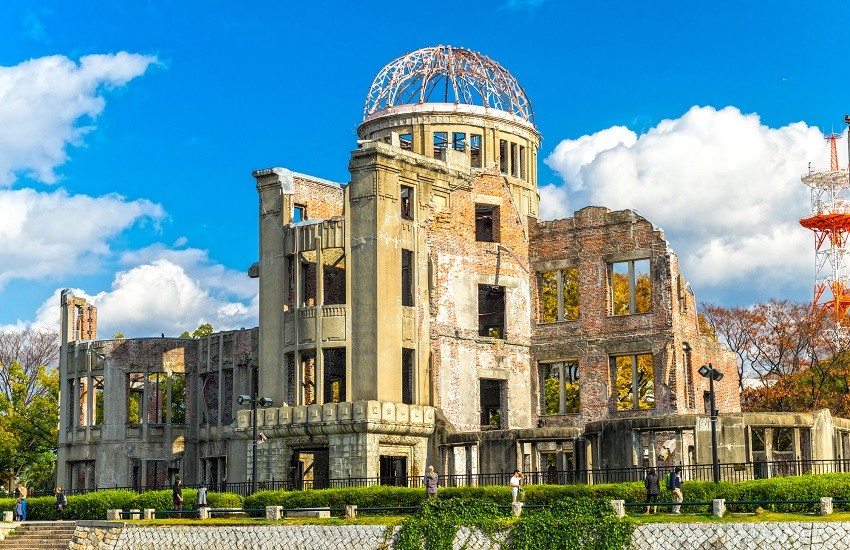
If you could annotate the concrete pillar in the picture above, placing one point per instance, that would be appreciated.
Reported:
(150, 513)
(619, 507)
(113, 514)
(825, 506)
(135, 513)
(203, 512)
(719, 507)
(350, 511)
(273, 513)
(8, 516)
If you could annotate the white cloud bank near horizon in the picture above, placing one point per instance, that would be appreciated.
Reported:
(725, 189)
(48, 105)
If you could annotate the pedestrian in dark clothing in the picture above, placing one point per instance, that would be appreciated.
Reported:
(432, 480)
(61, 502)
(653, 489)
(676, 488)
(177, 496)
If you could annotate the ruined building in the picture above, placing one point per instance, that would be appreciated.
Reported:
(420, 314)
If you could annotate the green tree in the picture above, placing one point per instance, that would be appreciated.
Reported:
(118, 335)
(203, 330)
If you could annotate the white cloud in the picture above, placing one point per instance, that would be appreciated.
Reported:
(554, 202)
(171, 291)
(42, 101)
(54, 234)
(725, 188)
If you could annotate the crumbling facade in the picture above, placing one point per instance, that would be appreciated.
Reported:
(422, 314)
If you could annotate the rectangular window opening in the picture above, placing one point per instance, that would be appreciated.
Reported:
(630, 287)
(308, 380)
(157, 392)
(299, 213)
(475, 150)
(486, 223)
(226, 396)
(406, 202)
(514, 160)
(407, 362)
(333, 276)
(634, 377)
(135, 393)
(559, 295)
(522, 162)
(560, 388)
(459, 141)
(491, 311)
(209, 393)
(308, 279)
(491, 403)
(393, 470)
(407, 278)
(503, 156)
(334, 375)
(405, 141)
(441, 142)
(178, 398)
(97, 383)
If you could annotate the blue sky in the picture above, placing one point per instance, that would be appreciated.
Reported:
(127, 176)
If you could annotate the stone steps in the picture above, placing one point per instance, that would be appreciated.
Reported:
(40, 535)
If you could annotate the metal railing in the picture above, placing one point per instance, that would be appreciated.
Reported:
(732, 472)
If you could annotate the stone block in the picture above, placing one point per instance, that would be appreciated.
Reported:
(329, 412)
(388, 412)
(203, 512)
(273, 513)
(243, 419)
(343, 411)
(135, 513)
(719, 507)
(402, 412)
(269, 417)
(113, 514)
(8, 516)
(308, 513)
(516, 509)
(619, 507)
(150, 513)
(825, 506)
(314, 414)
(416, 414)
(284, 416)
(350, 511)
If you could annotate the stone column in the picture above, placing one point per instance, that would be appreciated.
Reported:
(825, 506)
(619, 507)
(273, 513)
(719, 507)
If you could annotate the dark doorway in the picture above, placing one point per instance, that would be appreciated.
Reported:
(310, 469)
(491, 404)
(394, 470)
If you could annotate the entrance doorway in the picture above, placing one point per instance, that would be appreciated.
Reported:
(310, 469)
(394, 470)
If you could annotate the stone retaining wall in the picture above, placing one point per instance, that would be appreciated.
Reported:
(684, 536)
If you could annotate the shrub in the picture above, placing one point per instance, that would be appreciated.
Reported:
(576, 523)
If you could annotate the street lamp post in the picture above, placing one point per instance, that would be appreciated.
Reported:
(263, 402)
(708, 371)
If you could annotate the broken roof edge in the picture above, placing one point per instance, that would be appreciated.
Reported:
(287, 178)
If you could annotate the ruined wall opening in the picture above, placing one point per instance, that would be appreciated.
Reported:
(209, 393)
(629, 286)
(491, 311)
(333, 276)
(135, 387)
(503, 156)
(407, 278)
(290, 376)
(178, 397)
(226, 396)
(486, 223)
(405, 141)
(490, 396)
(634, 377)
(97, 385)
(157, 393)
(308, 382)
(299, 213)
(459, 141)
(406, 202)
(559, 295)
(560, 384)
(334, 375)
(441, 143)
(475, 150)
(407, 360)
(308, 279)
(393, 470)
(310, 468)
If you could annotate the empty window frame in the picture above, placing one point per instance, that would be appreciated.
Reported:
(72, 383)
(334, 374)
(475, 150)
(299, 213)
(407, 277)
(630, 287)
(157, 392)
(486, 223)
(491, 311)
(308, 278)
(178, 398)
(441, 142)
(559, 295)
(308, 378)
(634, 380)
(135, 396)
(560, 388)
(522, 162)
(407, 362)
(405, 141)
(333, 276)
(406, 202)
(459, 141)
(97, 385)
(209, 393)
(514, 160)
(490, 403)
(226, 396)
(503, 156)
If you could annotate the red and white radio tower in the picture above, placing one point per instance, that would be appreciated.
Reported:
(830, 221)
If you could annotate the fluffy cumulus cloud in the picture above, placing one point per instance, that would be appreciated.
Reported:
(49, 235)
(724, 187)
(42, 102)
(170, 292)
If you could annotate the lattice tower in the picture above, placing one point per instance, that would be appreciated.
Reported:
(830, 222)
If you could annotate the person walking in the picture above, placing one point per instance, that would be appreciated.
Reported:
(653, 488)
(675, 485)
(515, 483)
(432, 480)
(23, 492)
(61, 502)
(177, 496)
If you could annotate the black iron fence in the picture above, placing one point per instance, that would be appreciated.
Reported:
(733, 472)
